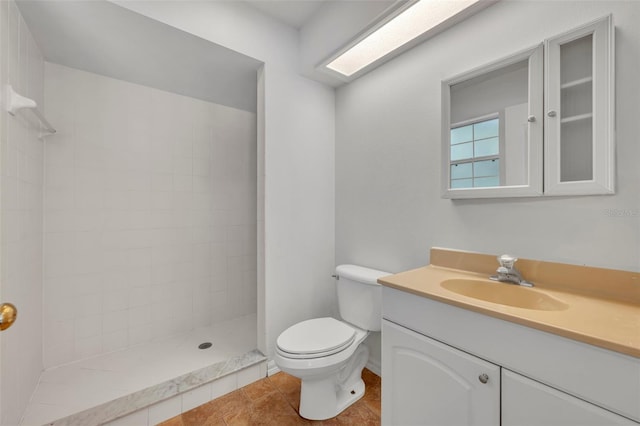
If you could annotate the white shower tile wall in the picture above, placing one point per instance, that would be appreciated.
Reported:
(21, 153)
(150, 214)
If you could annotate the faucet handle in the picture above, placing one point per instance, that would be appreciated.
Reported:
(502, 270)
(507, 261)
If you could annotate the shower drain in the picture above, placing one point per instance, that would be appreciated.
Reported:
(205, 345)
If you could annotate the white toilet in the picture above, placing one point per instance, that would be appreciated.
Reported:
(326, 354)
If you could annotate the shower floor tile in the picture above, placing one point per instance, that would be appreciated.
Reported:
(274, 401)
(71, 388)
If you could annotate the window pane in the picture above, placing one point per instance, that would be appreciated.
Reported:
(470, 143)
(486, 181)
(486, 129)
(462, 183)
(463, 170)
(486, 168)
(487, 147)
(461, 134)
(462, 151)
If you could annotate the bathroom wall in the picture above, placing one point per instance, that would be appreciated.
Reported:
(388, 206)
(298, 159)
(21, 154)
(150, 214)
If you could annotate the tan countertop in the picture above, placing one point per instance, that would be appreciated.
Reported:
(606, 320)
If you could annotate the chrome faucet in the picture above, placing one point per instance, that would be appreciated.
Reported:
(507, 273)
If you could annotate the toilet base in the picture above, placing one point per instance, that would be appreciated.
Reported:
(324, 398)
(334, 402)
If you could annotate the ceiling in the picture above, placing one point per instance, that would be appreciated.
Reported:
(107, 39)
(294, 13)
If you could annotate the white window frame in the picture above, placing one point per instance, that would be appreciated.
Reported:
(473, 159)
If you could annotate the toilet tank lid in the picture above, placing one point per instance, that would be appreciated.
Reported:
(360, 273)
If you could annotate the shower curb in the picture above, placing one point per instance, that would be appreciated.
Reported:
(128, 404)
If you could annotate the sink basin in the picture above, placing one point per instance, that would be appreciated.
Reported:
(504, 294)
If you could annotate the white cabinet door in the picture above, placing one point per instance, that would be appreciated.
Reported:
(526, 402)
(425, 382)
(579, 98)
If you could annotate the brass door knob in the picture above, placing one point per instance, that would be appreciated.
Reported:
(8, 315)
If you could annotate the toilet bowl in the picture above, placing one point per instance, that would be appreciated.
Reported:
(327, 354)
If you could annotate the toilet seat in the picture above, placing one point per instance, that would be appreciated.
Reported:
(315, 338)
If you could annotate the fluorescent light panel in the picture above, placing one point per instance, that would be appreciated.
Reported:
(406, 26)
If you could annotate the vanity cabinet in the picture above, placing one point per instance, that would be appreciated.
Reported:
(427, 382)
(433, 355)
(526, 402)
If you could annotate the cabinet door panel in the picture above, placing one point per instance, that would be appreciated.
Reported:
(426, 382)
(526, 402)
(579, 99)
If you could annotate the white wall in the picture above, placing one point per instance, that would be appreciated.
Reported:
(150, 214)
(21, 65)
(298, 158)
(388, 152)
(388, 206)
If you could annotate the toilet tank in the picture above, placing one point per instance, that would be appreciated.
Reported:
(360, 296)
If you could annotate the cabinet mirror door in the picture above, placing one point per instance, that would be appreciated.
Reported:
(492, 129)
(579, 147)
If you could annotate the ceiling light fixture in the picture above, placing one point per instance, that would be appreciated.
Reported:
(410, 23)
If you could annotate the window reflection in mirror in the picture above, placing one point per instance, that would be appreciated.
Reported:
(475, 153)
(488, 127)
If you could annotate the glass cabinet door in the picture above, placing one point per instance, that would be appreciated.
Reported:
(579, 146)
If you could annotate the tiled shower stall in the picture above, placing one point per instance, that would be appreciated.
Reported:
(134, 222)
(149, 213)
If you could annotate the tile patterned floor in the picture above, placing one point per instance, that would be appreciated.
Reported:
(274, 401)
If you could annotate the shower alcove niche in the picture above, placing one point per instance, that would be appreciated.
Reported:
(130, 236)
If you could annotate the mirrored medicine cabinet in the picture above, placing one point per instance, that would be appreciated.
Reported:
(539, 122)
